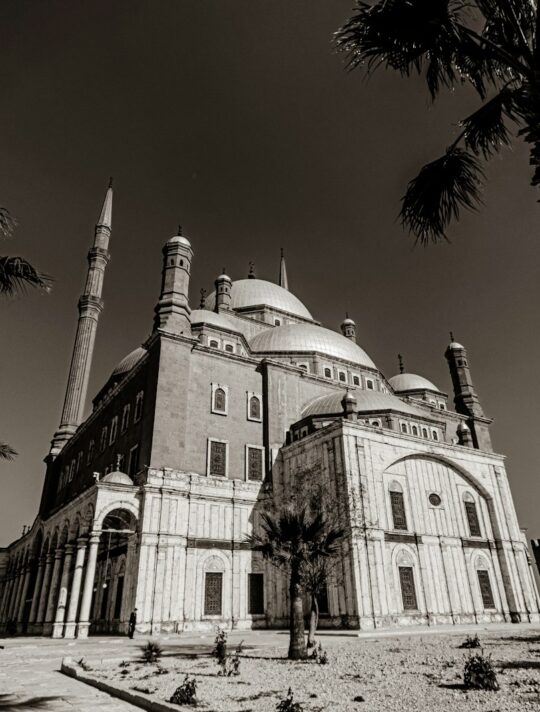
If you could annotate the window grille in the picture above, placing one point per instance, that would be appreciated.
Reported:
(328, 373)
(254, 408)
(398, 510)
(256, 594)
(472, 518)
(485, 589)
(408, 590)
(220, 400)
(213, 594)
(255, 464)
(218, 458)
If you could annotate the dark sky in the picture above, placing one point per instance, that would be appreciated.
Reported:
(238, 120)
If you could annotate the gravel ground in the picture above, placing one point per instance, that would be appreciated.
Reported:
(406, 674)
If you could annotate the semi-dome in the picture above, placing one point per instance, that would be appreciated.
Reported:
(220, 320)
(130, 361)
(118, 478)
(255, 292)
(366, 402)
(411, 382)
(309, 338)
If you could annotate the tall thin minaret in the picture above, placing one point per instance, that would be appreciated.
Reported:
(283, 281)
(90, 307)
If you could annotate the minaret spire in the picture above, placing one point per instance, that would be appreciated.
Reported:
(90, 307)
(401, 364)
(283, 281)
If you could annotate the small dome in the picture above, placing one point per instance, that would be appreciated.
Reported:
(455, 345)
(222, 277)
(179, 240)
(118, 478)
(309, 338)
(367, 401)
(348, 322)
(463, 428)
(411, 382)
(349, 397)
(129, 361)
(259, 292)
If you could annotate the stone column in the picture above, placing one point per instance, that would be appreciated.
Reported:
(6, 598)
(37, 591)
(58, 626)
(84, 615)
(24, 591)
(71, 621)
(51, 601)
(45, 586)
(14, 602)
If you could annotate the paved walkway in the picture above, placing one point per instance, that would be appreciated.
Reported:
(30, 677)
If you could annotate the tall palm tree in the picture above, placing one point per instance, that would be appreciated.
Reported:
(291, 538)
(487, 44)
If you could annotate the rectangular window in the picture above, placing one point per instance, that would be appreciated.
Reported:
(79, 463)
(133, 467)
(90, 456)
(138, 406)
(472, 518)
(485, 589)
(369, 385)
(218, 459)
(114, 428)
(408, 591)
(256, 594)
(213, 588)
(398, 510)
(103, 441)
(254, 464)
(125, 418)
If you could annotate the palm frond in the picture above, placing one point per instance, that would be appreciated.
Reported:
(485, 131)
(438, 193)
(7, 223)
(7, 452)
(16, 274)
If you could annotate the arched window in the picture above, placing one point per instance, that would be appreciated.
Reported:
(404, 428)
(103, 440)
(328, 373)
(90, 455)
(229, 348)
(220, 400)
(214, 344)
(254, 408)
(342, 376)
(485, 588)
(472, 515)
(397, 504)
(424, 433)
(138, 406)
(435, 434)
(376, 423)
(114, 429)
(125, 418)
(356, 380)
(277, 322)
(415, 430)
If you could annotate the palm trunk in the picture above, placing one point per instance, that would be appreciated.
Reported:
(313, 620)
(297, 641)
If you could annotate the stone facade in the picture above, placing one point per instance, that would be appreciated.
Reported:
(224, 411)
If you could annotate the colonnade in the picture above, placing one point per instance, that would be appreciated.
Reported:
(62, 591)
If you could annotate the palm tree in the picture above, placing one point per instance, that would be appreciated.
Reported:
(291, 538)
(7, 452)
(487, 44)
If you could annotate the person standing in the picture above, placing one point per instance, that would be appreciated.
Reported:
(132, 623)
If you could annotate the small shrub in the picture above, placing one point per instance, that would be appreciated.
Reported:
(151, 652)
(319, 655)
(288, 704)
(471, 642)
(186, 694)
(161, 671)
(220, 646)
(479, 674)
(123, 664)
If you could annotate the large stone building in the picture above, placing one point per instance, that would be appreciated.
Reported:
(147, 502)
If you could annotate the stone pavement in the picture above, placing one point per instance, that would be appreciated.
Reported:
(30, 677)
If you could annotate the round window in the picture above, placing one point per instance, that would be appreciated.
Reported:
(434, 499)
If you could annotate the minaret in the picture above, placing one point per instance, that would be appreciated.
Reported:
(172, 310)
(90, 307)
(348, 328)
(465, 398)
(223, 285)
(283, 281)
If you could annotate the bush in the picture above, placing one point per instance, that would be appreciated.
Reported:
(230, 664)
(288, 704)
(186, 694)
(320, 655)
(471, 642)
(479, 674)
(220, 646)
(151, 652)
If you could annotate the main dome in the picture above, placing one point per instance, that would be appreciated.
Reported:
(309, 338)
(256, 292)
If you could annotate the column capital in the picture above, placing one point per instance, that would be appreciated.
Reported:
(94, 537)
(59, 553)
(82, 542)
(68, 548)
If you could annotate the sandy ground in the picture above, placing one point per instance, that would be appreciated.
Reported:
(418, 673)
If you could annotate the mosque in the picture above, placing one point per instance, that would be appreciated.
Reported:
(226, 408)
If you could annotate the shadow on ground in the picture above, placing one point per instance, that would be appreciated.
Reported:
(10, 702)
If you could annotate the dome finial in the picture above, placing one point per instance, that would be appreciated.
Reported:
(251, 274)
(179, 231)
(451, 336)
(283, 280)
(401, 366)
(202, 304)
